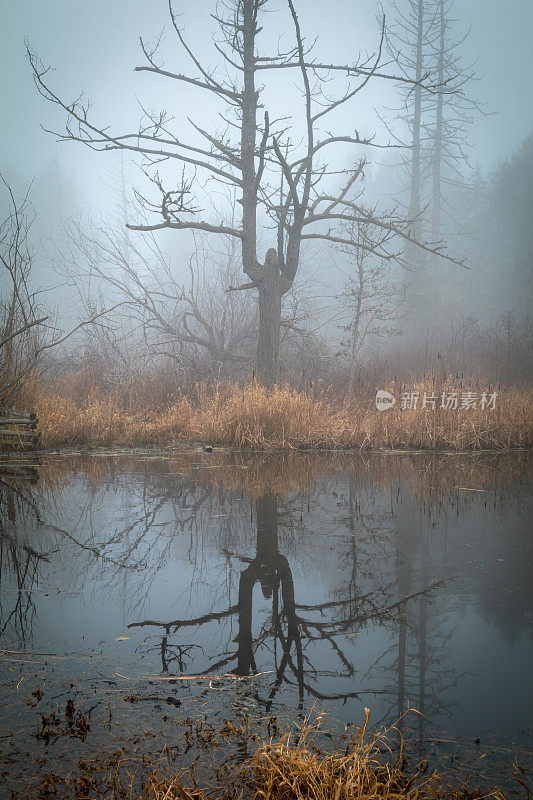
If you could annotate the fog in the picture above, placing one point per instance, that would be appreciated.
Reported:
(79, 195)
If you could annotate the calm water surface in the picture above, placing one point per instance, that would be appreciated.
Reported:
(388, 582)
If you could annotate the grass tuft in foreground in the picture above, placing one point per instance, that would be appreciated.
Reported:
(298, 771)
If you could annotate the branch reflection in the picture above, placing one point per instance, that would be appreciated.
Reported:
(295, 636)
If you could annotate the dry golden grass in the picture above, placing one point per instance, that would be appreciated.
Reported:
(77, 411)
(299, 771)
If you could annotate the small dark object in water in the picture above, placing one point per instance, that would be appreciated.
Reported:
(208, 448)
(175, 701)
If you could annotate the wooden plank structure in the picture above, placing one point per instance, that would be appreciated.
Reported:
(15, 474)
(18, 429)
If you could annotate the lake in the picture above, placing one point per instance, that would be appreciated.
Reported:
(398, 582)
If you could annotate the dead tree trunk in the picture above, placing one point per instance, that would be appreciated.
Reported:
(414, 206)
(266, 278)
(421, 290)
(269, 320)
(437, 155)
(416, 323)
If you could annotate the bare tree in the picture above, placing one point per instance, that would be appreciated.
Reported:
(284, 185)
(27, 326)
(187, 319)
(371, 299)
(21, 316)
(454, 112)
(411, 42)
(425, 48)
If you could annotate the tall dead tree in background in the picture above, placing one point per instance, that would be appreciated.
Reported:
(454, 113)
(411, 43)
(422, 42)
(291, 189)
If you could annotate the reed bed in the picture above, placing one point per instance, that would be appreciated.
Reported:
(252, 417)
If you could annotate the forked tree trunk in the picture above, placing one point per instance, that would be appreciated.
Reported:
(269, 320)
(266, 278)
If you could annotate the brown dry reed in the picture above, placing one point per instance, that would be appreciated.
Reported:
(77, 411)
(288, 770)
(296, 769)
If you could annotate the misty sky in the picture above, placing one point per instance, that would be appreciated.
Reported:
(94, 47)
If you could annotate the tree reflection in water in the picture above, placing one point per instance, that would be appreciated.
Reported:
(291, 627)
(18, 558)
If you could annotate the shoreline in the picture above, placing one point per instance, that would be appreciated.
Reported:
(190, 447)
(284, 419)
